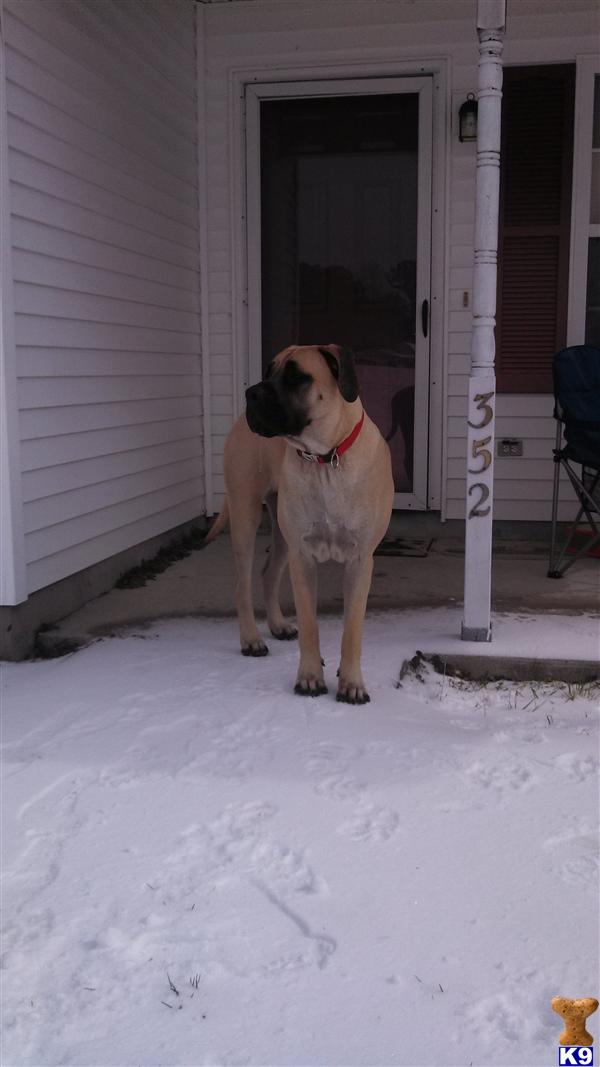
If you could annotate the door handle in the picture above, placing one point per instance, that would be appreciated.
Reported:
(425, 317)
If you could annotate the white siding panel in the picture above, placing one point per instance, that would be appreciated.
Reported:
(107, 59)
(60, 478)
(47, 512)
(23, 71)
(39, 331)
(47, 452)
(33, 268)
(41, 300)
(100, 544)
(102, 126)
(61, 535)
(48, 422)
(52, 135)
(53, 210)
(73, 248)
(64, 64)
(64, 363)
(56, 392)
(41, 163)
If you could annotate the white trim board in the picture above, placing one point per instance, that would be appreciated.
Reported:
(13, 587)
(587, 67)
(203, 257)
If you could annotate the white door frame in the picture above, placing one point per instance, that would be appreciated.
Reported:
(419, 499)
(588, 67)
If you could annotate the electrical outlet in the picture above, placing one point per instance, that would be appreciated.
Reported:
(509, 446)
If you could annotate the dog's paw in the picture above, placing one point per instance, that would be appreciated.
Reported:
(351, 692)
(255, 647)
(309, 685)
(287, 632)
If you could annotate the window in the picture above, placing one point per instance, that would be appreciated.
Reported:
(535, 217)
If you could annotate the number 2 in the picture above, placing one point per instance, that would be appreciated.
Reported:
(477, 511)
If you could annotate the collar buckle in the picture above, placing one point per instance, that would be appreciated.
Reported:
(332, 459)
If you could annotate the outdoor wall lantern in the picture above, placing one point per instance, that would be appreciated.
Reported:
(467, 119)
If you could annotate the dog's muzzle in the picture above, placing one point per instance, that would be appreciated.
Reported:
(261, 410)
(268, 415)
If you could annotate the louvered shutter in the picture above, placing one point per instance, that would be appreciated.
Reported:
(535, 212)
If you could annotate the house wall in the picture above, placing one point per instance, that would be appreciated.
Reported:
(285, 39)
(101, 126)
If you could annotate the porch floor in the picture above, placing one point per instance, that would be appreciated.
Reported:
(202, 585)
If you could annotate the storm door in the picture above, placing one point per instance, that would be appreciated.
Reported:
(339, 205)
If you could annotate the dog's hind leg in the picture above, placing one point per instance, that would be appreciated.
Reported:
(244, 522)
(273, 569)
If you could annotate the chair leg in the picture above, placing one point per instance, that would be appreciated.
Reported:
(588, 493)
(586, 500)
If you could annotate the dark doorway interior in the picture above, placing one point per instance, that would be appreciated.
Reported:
(339, 184)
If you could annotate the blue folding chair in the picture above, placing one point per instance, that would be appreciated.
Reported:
(577, 412)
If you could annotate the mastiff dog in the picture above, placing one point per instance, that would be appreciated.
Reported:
(308, 450)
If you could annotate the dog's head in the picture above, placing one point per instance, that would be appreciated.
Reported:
(303, 384)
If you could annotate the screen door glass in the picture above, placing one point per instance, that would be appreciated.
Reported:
(339, 209)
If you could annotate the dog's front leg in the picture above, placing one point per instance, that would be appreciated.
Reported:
(303, 572)
(357, 582)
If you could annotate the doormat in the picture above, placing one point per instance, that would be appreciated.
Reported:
(521, 549)
(512, 549)
(404, 546)
(582, 536)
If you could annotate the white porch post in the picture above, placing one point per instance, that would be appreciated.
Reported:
(476, 626)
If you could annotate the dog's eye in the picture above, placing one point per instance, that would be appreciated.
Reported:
(294, 377)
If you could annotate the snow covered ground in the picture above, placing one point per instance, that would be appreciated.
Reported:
(202, 868)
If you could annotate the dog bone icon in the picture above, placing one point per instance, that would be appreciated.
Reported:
(574, 1013)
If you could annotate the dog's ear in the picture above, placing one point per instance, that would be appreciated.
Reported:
(341, 364)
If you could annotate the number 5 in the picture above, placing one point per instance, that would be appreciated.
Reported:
(480, 451)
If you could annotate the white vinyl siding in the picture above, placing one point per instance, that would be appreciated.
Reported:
(274, 40)
(102, 130)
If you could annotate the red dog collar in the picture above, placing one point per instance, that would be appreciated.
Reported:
(333, 458)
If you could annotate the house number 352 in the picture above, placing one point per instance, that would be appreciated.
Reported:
(480, 451)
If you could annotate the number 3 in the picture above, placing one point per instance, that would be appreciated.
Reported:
(485, 408)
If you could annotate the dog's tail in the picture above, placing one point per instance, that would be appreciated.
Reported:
(219, 524)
